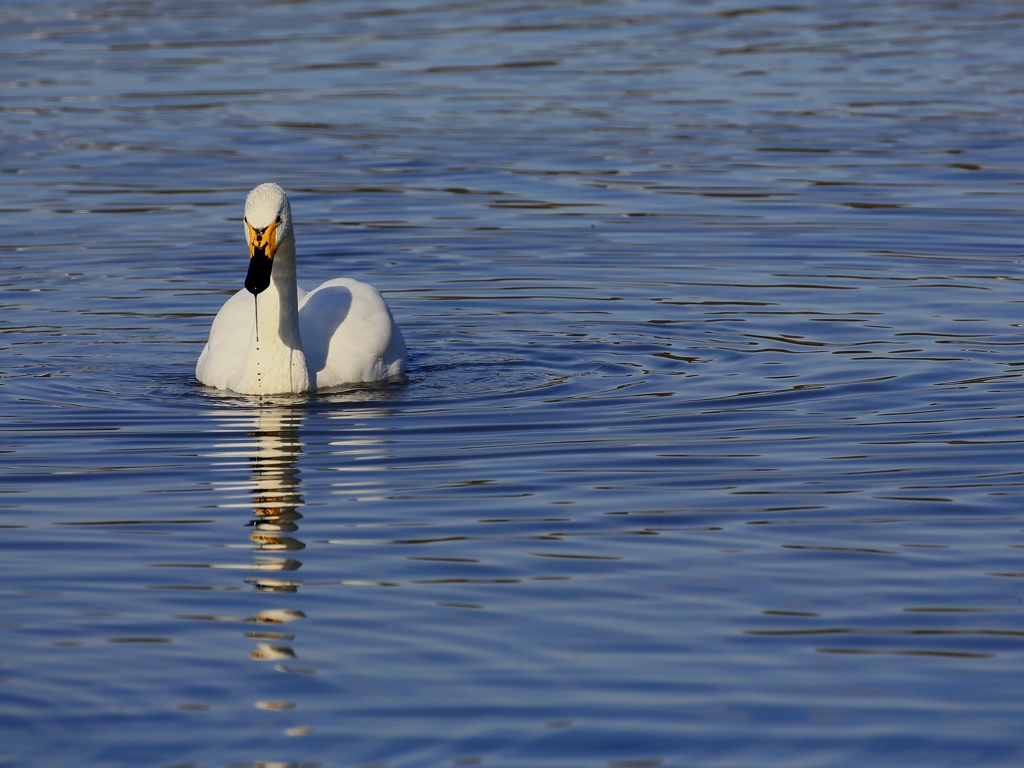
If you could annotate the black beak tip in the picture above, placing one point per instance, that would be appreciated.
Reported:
(254, 287)
(257, 279)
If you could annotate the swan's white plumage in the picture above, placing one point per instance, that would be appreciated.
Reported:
(341, 332)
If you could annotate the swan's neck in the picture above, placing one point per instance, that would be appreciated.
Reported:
(274, 362)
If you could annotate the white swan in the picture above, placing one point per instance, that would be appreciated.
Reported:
(273, 337)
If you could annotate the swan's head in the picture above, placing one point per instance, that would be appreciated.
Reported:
(268, 223)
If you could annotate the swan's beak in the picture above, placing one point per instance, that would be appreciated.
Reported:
(262, 246)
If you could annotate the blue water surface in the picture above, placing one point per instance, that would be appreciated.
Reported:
(710, 448)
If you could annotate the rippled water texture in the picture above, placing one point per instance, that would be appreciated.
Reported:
(709, 452)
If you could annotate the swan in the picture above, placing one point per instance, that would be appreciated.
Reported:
(272, 337)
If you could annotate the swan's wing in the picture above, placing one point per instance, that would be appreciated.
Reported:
(223, 356)
(348, 334)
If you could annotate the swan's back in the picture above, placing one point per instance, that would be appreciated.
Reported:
(348, 334)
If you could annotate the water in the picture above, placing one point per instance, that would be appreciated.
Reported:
(710, 447)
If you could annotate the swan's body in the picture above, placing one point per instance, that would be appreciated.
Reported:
(273, 337)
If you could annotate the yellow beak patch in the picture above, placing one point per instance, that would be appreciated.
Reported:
(262, 241)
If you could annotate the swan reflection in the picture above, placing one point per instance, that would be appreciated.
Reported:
(266, 442)
(257, 462)
(275, 498)
(362, 471)
(275, 508)
(270, 451)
